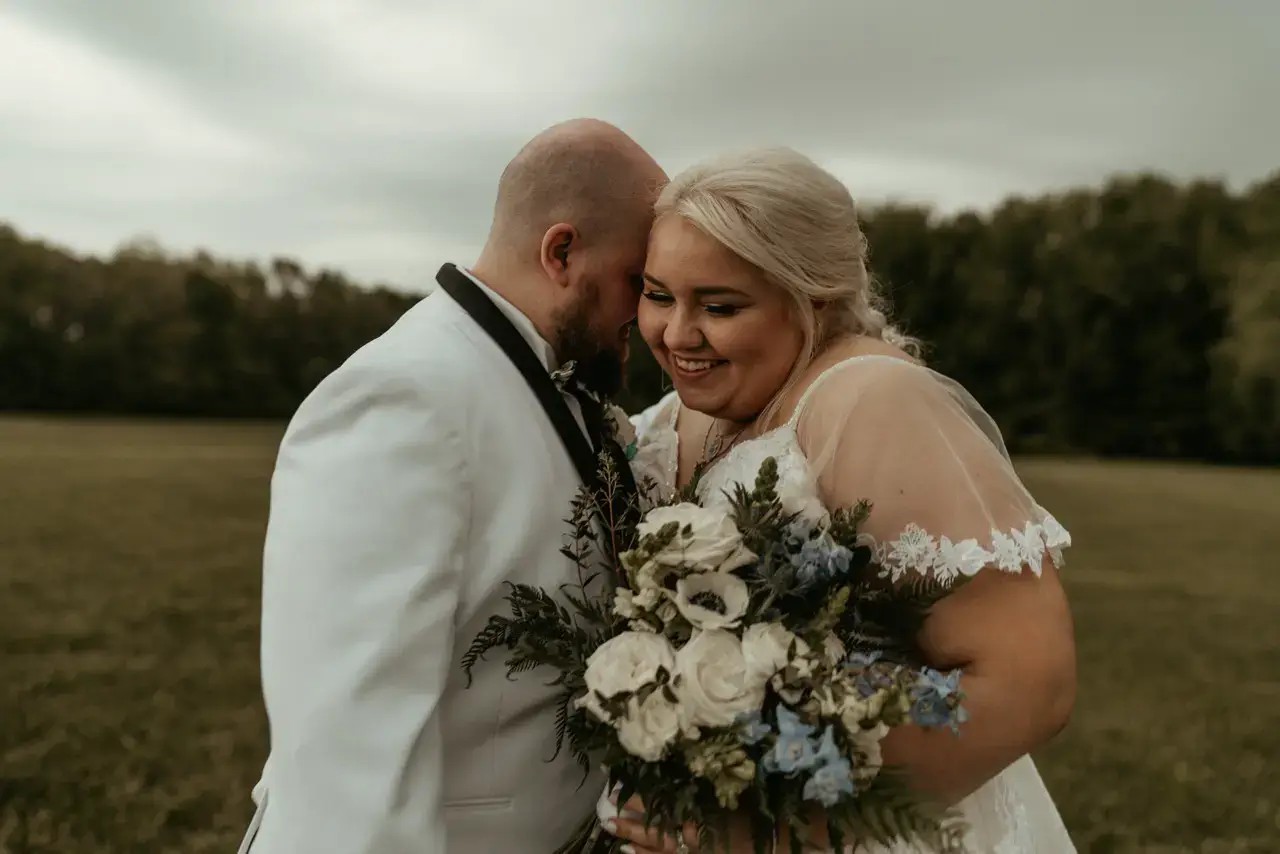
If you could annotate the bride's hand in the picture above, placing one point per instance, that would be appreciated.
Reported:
(654, 841)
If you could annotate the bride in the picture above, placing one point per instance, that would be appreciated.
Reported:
(758, 305)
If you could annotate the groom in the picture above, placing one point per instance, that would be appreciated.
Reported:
(436, 464)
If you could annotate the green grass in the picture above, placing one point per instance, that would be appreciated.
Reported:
(130, 714)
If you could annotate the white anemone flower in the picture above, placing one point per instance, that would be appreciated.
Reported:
(712, 600)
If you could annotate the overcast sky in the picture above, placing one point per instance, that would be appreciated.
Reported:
(368, 134)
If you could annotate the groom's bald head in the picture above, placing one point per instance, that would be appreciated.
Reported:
(585, 173)
(569, 239)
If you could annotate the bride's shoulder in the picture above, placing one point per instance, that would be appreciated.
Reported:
(858, 369)
(876, 391)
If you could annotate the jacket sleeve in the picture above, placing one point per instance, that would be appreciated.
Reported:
(360, 587)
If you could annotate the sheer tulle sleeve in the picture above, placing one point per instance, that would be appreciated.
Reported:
(946, 501)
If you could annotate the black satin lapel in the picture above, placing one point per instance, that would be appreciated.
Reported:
(491, 319)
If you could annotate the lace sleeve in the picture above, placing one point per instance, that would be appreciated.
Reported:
(656, 415)
(655, 459)
(945, 498)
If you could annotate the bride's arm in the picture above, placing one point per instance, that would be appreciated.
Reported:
(1012, 637)
(942, 488)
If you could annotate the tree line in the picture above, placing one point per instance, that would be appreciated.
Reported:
(1138, 319)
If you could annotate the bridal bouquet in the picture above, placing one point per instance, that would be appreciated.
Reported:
(748, 661)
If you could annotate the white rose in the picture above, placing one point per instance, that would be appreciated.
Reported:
(707, 538)
(625, 663)
(647, 728)
(712, 600)
(766, 648)
(715, 684)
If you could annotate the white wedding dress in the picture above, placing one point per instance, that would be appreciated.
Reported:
(945, 500)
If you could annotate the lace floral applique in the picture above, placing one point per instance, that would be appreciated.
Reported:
(916, 551)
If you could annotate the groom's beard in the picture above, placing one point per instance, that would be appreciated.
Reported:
(600, 365)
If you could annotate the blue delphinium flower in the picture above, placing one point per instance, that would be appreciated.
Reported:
(945, 684)
(829, 783)
(839, 560)
(833, 777)
(827, 751)
(870, 680)
(799, 532)
(810, 562)
(792, 541)
(863, 659)
(753, 728)
(794, 749)
(815, 556)
(930, 709)
(866, 685)
(931, 700)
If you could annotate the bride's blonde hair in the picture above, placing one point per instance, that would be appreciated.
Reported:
(798, 224)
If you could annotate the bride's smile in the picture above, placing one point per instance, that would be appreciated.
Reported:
(693, 367)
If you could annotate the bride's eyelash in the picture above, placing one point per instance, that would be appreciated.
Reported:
(722, 310)
(713, 309)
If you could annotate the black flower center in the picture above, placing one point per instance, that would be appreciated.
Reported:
(709, 601)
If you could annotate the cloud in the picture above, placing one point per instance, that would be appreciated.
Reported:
(369, 134)
(114, 135)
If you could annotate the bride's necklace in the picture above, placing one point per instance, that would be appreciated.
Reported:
(723, 443)
(711, 451)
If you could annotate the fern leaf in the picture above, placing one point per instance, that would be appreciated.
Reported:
(493, 635)
(562, 722)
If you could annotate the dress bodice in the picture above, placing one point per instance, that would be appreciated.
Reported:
(658, 455)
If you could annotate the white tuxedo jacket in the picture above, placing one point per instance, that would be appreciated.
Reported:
(413, 482)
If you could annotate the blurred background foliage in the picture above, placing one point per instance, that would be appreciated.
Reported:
(1138, 319)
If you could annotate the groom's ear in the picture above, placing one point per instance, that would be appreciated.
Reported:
(558, 243)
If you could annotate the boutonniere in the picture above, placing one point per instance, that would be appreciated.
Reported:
(624, 432)
(620, 428)
(562, 375)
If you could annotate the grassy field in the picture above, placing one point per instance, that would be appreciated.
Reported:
(130, 717)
